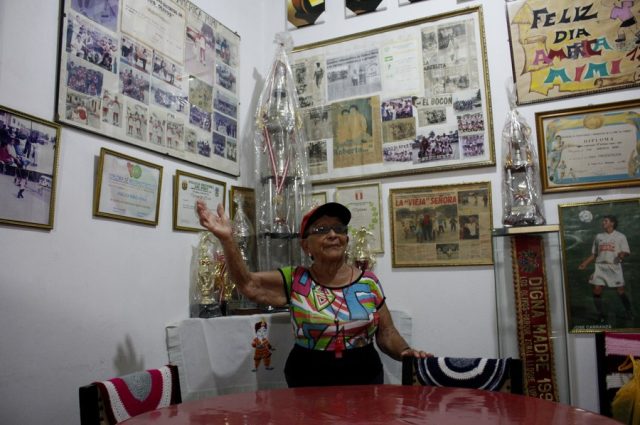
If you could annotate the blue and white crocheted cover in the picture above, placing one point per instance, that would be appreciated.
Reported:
(479, 373)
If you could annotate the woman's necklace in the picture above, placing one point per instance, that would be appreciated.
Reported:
(339, 344)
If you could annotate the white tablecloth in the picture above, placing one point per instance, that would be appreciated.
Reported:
(215, 356)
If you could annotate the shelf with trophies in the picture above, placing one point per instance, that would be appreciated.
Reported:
(529, 283)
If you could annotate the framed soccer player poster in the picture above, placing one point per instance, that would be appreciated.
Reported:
(600, 246)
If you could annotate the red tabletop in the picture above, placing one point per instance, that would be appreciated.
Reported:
(371, 404)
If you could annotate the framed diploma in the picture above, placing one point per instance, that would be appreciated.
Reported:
(404, 99)
(364, 202)
(127, 188)
(187, 189)
(157, 74)
(600, 241)
(29, 149)
(441, 225)
(591, 147)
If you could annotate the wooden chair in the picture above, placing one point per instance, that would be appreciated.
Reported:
(102, 404)
(493, 374)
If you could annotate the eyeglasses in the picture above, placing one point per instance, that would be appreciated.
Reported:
(338, 229)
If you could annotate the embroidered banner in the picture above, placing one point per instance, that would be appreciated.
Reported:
(534, 321)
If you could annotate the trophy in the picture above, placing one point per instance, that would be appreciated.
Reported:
(243, 235)
(361, 253)
(208, 281)
(282, 187)
(522, 205)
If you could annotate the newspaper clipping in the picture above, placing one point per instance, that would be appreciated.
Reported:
(441, 225)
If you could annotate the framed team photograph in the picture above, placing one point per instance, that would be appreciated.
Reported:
(187, 189)
(408, 98)
(447, 225)
(160, 75)
(600, 245)
(590, 147)
(127, 188)
(365, 204)
(29, 151)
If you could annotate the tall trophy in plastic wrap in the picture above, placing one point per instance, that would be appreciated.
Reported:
(244, 236)
(283, 190)
(522, 204)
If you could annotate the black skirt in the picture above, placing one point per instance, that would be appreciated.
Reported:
(315, 368)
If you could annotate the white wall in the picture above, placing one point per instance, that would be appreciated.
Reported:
(90, 299)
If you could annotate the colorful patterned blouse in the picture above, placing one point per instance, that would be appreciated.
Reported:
(319, 313)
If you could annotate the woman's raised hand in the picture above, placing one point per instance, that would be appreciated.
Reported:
(217, 223)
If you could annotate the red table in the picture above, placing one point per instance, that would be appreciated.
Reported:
(372, 404)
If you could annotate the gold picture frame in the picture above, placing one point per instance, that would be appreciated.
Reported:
(571, 48)
(187, 189)
(29, 163)
(584, 235)
(358, 127)
(449, 225)
(589, 147)
(127, 188)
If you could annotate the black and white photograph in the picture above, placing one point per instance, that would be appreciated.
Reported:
(353, 75)
(29, 149)
(317, 156)
(398, 152)
(225, 125)
(436, 146)
(200, 118)
(136, 54)
(309, 76)
(226, 78)
(175, 132)
(157, 128)
(103, 12)
(317, 123)
(219, 143)
(225, 103)
(167, 96)
(166, 70)
(232, 150)
(137, 118)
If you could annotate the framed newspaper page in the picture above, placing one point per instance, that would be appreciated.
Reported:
(29, 151)
(600, 242)
(364, 202)
(127, 188)
(572, 47)
(158, 74)
(441, 225)
(590, 147)
(187, 189)
(404, 99)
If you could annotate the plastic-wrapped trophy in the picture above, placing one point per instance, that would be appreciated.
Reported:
(208, 280)
(361, 254)
(244, 236)
(282, 187)
(522, 205)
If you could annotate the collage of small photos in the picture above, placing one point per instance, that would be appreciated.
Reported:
(160, 74)
(412, 98)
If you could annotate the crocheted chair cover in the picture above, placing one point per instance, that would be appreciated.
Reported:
(139, 392)
(479, 373)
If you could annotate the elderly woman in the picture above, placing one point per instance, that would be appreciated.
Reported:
(336, 309)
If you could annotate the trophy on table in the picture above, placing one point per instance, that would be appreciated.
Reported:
(209, 281)
(361, 254)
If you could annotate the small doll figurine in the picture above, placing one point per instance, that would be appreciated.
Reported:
(263, 348)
